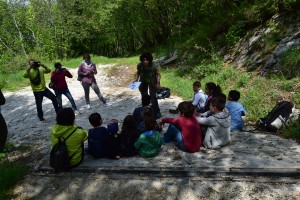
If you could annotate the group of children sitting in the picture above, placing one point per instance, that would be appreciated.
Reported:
(205, 120)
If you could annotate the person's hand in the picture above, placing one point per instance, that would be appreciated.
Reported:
(161, 124)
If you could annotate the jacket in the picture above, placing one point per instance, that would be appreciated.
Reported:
(148, 144)
(218, 130)
(58, 76)
(91, 69)
(74, 142)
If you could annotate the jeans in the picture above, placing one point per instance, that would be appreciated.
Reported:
(94, 86)
(174, 134)
(152, 89)
(39, 99)
(67, 93)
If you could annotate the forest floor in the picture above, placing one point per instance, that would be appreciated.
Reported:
(253, 166)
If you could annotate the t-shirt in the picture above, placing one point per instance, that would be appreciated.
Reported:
(199, 99)
(147, 73)
(236, 110)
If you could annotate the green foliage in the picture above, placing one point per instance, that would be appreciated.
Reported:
(10, 174)
(292, 131)
(234, 33)
(290, 63)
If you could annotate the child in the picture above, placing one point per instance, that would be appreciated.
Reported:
(184, 129)
(212, 90)
(147, 112)
(218, 124)
(63, 128)
(98, 136)
(129, 135)
(138, 113)
(149, 142)
(61, 87)
(198, 99)
(236, 110)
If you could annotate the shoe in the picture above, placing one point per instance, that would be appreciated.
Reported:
(104, 101)
(42, 120)
(158, 115)
(76, 112)
(88, 106)
(176, 111)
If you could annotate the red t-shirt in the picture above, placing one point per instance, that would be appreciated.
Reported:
(191, 132)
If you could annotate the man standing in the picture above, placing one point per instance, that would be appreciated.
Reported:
(35, 73)
(149, 76)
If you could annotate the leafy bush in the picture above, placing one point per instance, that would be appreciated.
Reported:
(290, 63)
(292, 131)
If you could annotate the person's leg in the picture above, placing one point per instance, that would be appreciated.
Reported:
(144, 89)
(3, 133)
(86, 88)
(154, 101)
(47, 93)
(67, 93)
(96, 89)
(171, 134)
(58, 94)
(38, 101)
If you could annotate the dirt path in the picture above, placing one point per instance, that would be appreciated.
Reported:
(26, 130)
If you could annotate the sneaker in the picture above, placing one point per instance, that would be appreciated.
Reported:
(88, 106)
(176, 111)
(158, 115)
(76, 112)
(104, 101)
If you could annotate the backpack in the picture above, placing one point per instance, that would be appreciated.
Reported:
(163, 93)
(59, 155)
(277, 118)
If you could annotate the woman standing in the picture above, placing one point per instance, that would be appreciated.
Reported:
(86, 71)
(61, 87)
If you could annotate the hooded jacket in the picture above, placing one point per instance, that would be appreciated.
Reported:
(74, 142)
(218, 131)
(148, 144)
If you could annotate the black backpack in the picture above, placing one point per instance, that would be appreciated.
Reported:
(163, 93)
(276, 118)
(59, 156)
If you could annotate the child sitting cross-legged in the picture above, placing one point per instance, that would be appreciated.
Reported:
(149, 143)
(185, 129)
(218, 124)
(98, 136)
(236, 111)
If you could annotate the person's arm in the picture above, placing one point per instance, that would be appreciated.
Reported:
(137, 74)
(27, 72)
(47, 69)
(205, 120)
(157, 73)
(138, 144)
(95, 69)
(68, 74)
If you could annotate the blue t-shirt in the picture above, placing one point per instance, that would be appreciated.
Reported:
(236, 111)
(97, 142)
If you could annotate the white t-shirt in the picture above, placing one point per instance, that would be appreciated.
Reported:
(199, 99)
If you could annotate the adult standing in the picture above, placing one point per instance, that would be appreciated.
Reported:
(86, 74)
(149, 76)
(61, 87)
(35, 72)
(3, 127)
